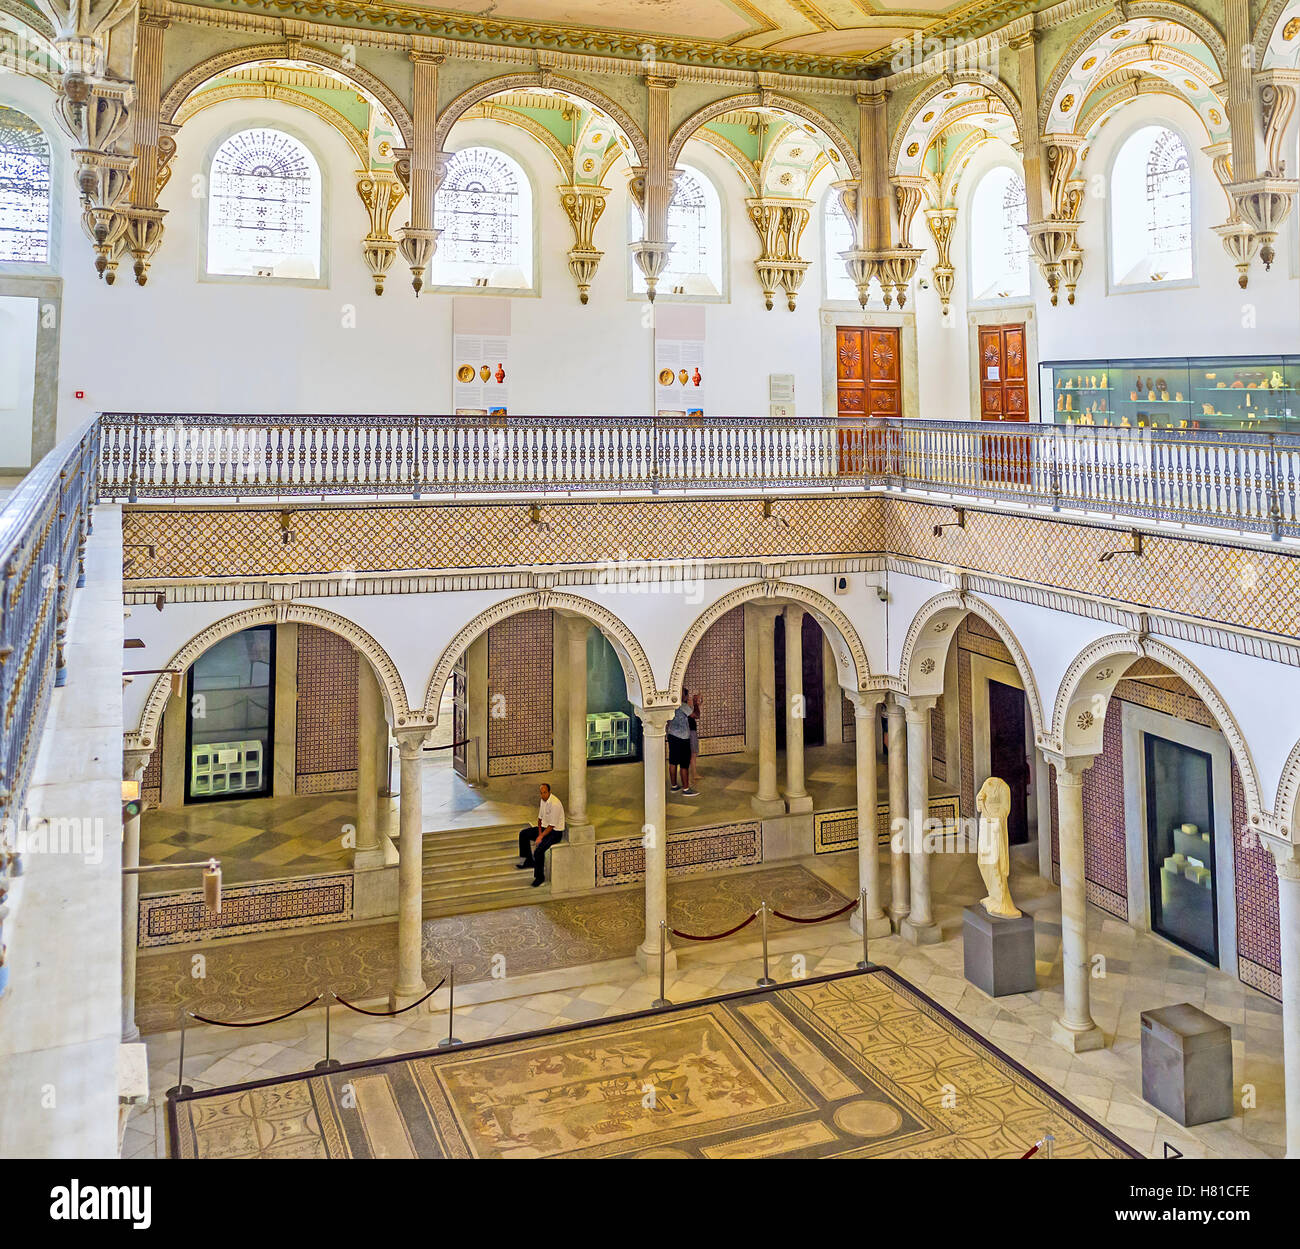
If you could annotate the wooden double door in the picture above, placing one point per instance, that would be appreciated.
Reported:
(868, 383)
(1004, 398)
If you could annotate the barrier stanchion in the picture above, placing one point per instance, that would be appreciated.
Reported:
(180, 1088)
(661, 1001)
(766, 982)
(451, 1038)
(327, 1063)
(865, 965)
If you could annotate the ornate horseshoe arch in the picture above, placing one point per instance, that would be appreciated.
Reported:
(390, 681)
(946, 82)
(849, 651)
(631, 654)
(1082, 702)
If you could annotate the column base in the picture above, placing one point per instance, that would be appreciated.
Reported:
(374, 857)
(404, 995)
(1078, 1041)
(798, 804)
(579, 834)
(879, 926)
(767, 806)
(920, 934)
(648, 959)
(896, 917)
(130, 1036)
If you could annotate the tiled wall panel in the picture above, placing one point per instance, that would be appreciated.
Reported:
(327, 712)
(521, 694)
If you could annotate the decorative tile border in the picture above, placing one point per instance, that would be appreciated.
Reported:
(1260, 978)
(325, 782)
(834, 831)
(180, 917)
(622, 862)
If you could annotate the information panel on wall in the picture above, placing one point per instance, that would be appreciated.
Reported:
(681, 374)
(480, 366)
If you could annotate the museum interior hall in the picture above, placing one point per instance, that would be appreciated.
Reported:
(679, 580)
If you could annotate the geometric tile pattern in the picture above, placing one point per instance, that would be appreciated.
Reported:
(1258, 943)
(622, 862)
(834, 831)
(851, 1065)
(716, 672)
(177, 918)
(327, 711)
(520, 694)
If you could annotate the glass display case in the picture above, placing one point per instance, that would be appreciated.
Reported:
(1169, 392)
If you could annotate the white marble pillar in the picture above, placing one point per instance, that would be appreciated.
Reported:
(134, 763)
(767, 801)
(654, 835)
(1287, 856)
(900, 899)
(370, 715)
(410, 873)
(579, 827)
(919, 927)
(865, 707)
(1075, 1029)
(797, 798)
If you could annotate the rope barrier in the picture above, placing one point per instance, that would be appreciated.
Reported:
(384, 1014)
(717, 936)
(1033, 1149)
(450, 745)
(817, 919)
(255, 1023)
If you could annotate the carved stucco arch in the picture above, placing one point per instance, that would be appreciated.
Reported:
(850, 655)
(1287, 805)
(390, 681)
(486, 111)
(288, 50)
(1090, 122)
(1265, 28)
(764, 99)
(631, 654)
(1079, 717)
(283, 95)
(930, 635)
(945, 82)
(1204, 29)
(482, 91)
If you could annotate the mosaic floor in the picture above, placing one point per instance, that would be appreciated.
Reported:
(857, 1065)
(257, 979)
(1141, 971)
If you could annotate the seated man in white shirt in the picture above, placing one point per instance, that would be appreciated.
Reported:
(534, 842)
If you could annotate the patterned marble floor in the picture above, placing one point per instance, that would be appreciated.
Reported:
(275, 838)
(1141, 972)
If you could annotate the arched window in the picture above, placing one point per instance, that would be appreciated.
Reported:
(695, 231)
(485, 212)
(24, 190)
(1151, 209)
(837, 237)
(264, 212)
(999, 246)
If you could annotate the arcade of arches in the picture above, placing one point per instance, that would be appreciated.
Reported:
(465, 418)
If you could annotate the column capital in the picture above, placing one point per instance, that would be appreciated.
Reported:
(660, 81)
(410, 742)
(765, 608)
(134, 763)
(794, 611)
(865, 702)
(1286, 856)
(1069, 768)
(916, 706)
(654, 720)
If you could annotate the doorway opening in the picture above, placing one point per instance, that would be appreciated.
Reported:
(1007, 754)
(814, 692)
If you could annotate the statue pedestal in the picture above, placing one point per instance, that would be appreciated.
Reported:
(998, 953)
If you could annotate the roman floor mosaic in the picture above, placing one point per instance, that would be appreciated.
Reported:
(854, 1065)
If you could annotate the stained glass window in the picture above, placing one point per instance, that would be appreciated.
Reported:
(999, 246)
(24, 190)
(484, 210)
(264, 215)
(1151, 208)
(838, 233)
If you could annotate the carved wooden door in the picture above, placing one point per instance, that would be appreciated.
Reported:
(1004, 398)
(868, 386)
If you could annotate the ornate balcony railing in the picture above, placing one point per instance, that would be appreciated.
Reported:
(1240, 481)
(43, 528)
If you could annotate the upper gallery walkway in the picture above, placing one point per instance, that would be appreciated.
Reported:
(1241, 482)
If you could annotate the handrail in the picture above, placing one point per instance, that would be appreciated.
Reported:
(1237, 480)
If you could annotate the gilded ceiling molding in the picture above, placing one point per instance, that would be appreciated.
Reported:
(288, 49)
(285, 95)
(483, 91)
(766, 99)
(1265, 26)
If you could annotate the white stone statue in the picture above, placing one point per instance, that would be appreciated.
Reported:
(994, 805)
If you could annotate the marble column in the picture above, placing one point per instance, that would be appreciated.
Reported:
(797, 798)
(134, 763)
(1287, 856)
(919, 927)
(1075, 1029)
(654, 836)
(579, 827)
(410, 873)
(865, 707)
(370, 715)
(900, 891)
(767, 801)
